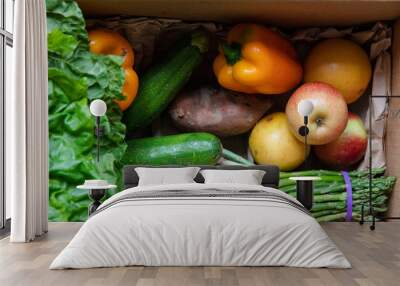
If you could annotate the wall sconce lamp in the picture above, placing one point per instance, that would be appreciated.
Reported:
(98, 108)
(97, 188)
(304, 185)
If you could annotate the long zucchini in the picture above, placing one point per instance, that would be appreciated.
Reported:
(162, 82)
(181, 149)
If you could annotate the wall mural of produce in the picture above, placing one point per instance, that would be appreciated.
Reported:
(213, 91)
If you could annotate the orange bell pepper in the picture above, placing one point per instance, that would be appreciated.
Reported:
(107, 42)
(256, 59)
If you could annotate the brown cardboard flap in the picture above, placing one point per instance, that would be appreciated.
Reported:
(284, 13)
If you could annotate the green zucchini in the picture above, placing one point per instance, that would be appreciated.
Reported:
(182, 149)
(162, 82)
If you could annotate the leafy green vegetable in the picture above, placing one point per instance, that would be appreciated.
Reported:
(76, 77)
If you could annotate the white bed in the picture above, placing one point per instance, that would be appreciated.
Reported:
(201, 224)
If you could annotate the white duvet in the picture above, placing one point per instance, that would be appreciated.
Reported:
(190, 231)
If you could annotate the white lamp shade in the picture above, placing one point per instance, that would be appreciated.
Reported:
(305, 107)
(98, 107)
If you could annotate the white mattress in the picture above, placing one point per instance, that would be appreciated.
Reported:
(202, 231)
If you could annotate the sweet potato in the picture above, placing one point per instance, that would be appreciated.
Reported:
(218, 111)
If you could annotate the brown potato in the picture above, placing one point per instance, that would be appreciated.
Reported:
(218, 111)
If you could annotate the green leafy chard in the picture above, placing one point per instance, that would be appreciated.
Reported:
(76, 77)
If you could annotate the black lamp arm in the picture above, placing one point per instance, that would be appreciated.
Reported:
(99, 131)
(303, 131)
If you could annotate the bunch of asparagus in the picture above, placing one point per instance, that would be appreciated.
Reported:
(330, 192)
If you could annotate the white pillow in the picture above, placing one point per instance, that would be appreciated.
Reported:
(248, 177)
(163, 176)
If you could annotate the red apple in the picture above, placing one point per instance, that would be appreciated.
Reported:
(348, 149)
(328, 118)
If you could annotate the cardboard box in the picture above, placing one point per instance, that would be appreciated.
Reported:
(291, 14)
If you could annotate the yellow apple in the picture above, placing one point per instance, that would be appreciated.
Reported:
(271, 142)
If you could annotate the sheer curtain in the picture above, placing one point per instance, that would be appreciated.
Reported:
(26, 124)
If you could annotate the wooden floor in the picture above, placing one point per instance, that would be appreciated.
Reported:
(375, 257)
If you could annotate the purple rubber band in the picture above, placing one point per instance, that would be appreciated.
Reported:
(349, 191)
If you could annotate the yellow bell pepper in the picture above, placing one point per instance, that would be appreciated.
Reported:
(107, 42)
(256, 59)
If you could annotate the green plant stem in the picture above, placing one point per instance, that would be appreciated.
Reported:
(235, 157)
